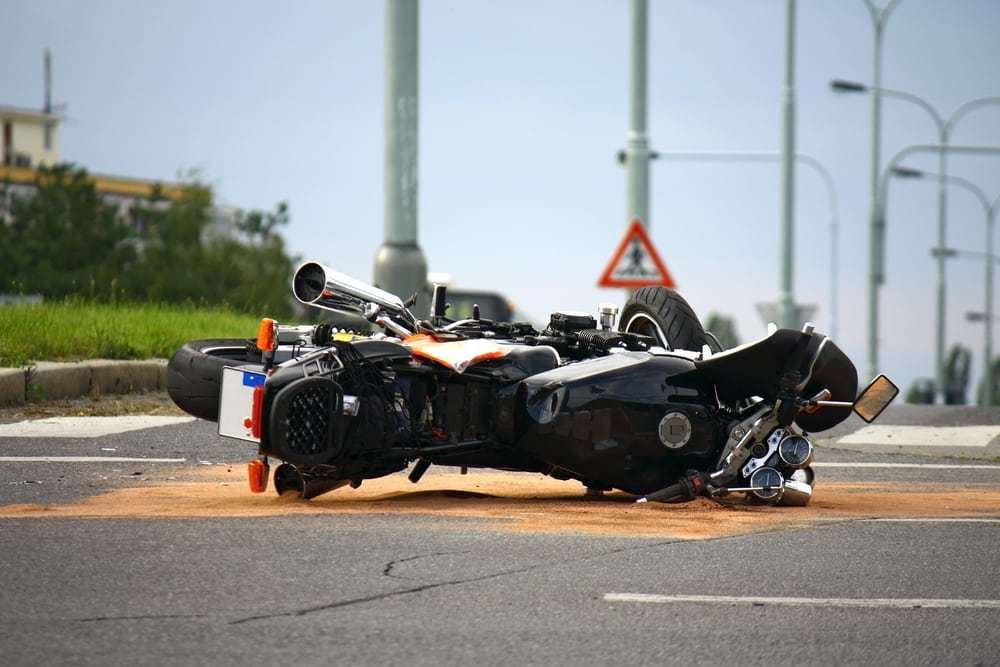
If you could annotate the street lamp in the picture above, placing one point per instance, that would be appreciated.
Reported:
(876, 271)
(879, 17)
(944, 126)
(942, 253)
(775, 156)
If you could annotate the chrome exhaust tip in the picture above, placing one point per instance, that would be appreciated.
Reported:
(315, 284)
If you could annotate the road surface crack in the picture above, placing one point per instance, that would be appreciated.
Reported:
(391, 565)
(137, 617)
(442, 584)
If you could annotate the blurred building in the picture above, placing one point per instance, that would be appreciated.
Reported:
(31, 140)
(30, 137)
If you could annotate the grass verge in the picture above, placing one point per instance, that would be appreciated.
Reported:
(72, 330)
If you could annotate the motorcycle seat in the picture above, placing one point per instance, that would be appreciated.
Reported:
(756, 368)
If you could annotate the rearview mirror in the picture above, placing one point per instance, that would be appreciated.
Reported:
(875, 398)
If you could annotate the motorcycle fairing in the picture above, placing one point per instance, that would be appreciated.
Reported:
(598, 419)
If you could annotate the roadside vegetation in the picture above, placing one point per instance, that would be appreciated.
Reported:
(61, 238)
(74, 329)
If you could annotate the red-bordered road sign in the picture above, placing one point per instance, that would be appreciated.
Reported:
(636, 262)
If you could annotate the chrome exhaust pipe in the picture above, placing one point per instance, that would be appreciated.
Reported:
(797, 494)
(317, 285)
(799, 488)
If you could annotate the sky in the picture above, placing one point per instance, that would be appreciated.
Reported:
(523, 106)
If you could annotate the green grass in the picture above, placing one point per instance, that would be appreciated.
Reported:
(72, 330)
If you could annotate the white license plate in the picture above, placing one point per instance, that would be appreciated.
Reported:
(236, 402)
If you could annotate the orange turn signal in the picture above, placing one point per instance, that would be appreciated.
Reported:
(267, 339)
(257, 475)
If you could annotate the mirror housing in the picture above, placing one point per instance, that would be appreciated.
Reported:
(875, 398)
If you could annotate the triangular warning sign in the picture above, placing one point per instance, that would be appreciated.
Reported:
(636, 262)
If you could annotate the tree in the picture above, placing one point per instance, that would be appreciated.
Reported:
(724, 328)
(64, 239)
(995, 379)
(956, 375)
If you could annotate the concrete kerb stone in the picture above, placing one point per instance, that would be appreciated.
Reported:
(108, 376)
(52, 380)
(48, 380)
(12, 386)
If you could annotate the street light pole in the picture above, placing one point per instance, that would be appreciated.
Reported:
(944, 127)
(774, 156)
(877, 272)
(637, 153)
(786, 298)
(400, 267)
(989, 210)
(880, 17)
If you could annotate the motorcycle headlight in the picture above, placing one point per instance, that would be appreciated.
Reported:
(795, 451)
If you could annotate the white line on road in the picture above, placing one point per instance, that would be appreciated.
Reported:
(934, 520)
(86, 427)
(925, 466)
(892, 603)
(84, 459)
(922, 436)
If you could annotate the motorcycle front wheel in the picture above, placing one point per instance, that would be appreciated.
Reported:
(665, 315)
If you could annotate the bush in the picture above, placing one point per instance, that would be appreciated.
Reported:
(65, 240)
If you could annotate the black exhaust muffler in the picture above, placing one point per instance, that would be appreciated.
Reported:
(292, 480)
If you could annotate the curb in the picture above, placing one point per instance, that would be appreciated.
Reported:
(51, 380)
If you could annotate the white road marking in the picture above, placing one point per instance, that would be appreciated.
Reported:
(86, 427)
(925, 466)
(892, 603)
(84, 459)
(922, 436)
(934, 520)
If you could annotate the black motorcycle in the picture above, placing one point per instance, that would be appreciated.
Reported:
(643, 400)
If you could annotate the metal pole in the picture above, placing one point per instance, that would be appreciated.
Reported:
(400, 267)
(988, 334)
(879, 221)
(775, 156)
(942, 313)
(786, 299)
(873, 232)
(834, 277)
(637, 152)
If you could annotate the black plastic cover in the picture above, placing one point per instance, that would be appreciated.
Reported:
(571, 322)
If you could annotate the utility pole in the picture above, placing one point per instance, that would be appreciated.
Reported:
(786, 298)
(637, 153)
(400, 267)
(47, 106)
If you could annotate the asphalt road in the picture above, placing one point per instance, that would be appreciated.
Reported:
(405, 589)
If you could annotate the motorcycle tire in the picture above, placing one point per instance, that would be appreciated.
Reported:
(194, 373)
(664, 314)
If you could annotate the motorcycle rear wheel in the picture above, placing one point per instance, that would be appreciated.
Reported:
(665, 315)
(194, 373)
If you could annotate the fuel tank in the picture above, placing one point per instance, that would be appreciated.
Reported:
(633, 420)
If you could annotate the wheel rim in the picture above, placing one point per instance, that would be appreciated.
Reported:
(644, 325)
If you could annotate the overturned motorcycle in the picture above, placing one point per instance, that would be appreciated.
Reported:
(640, 401)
